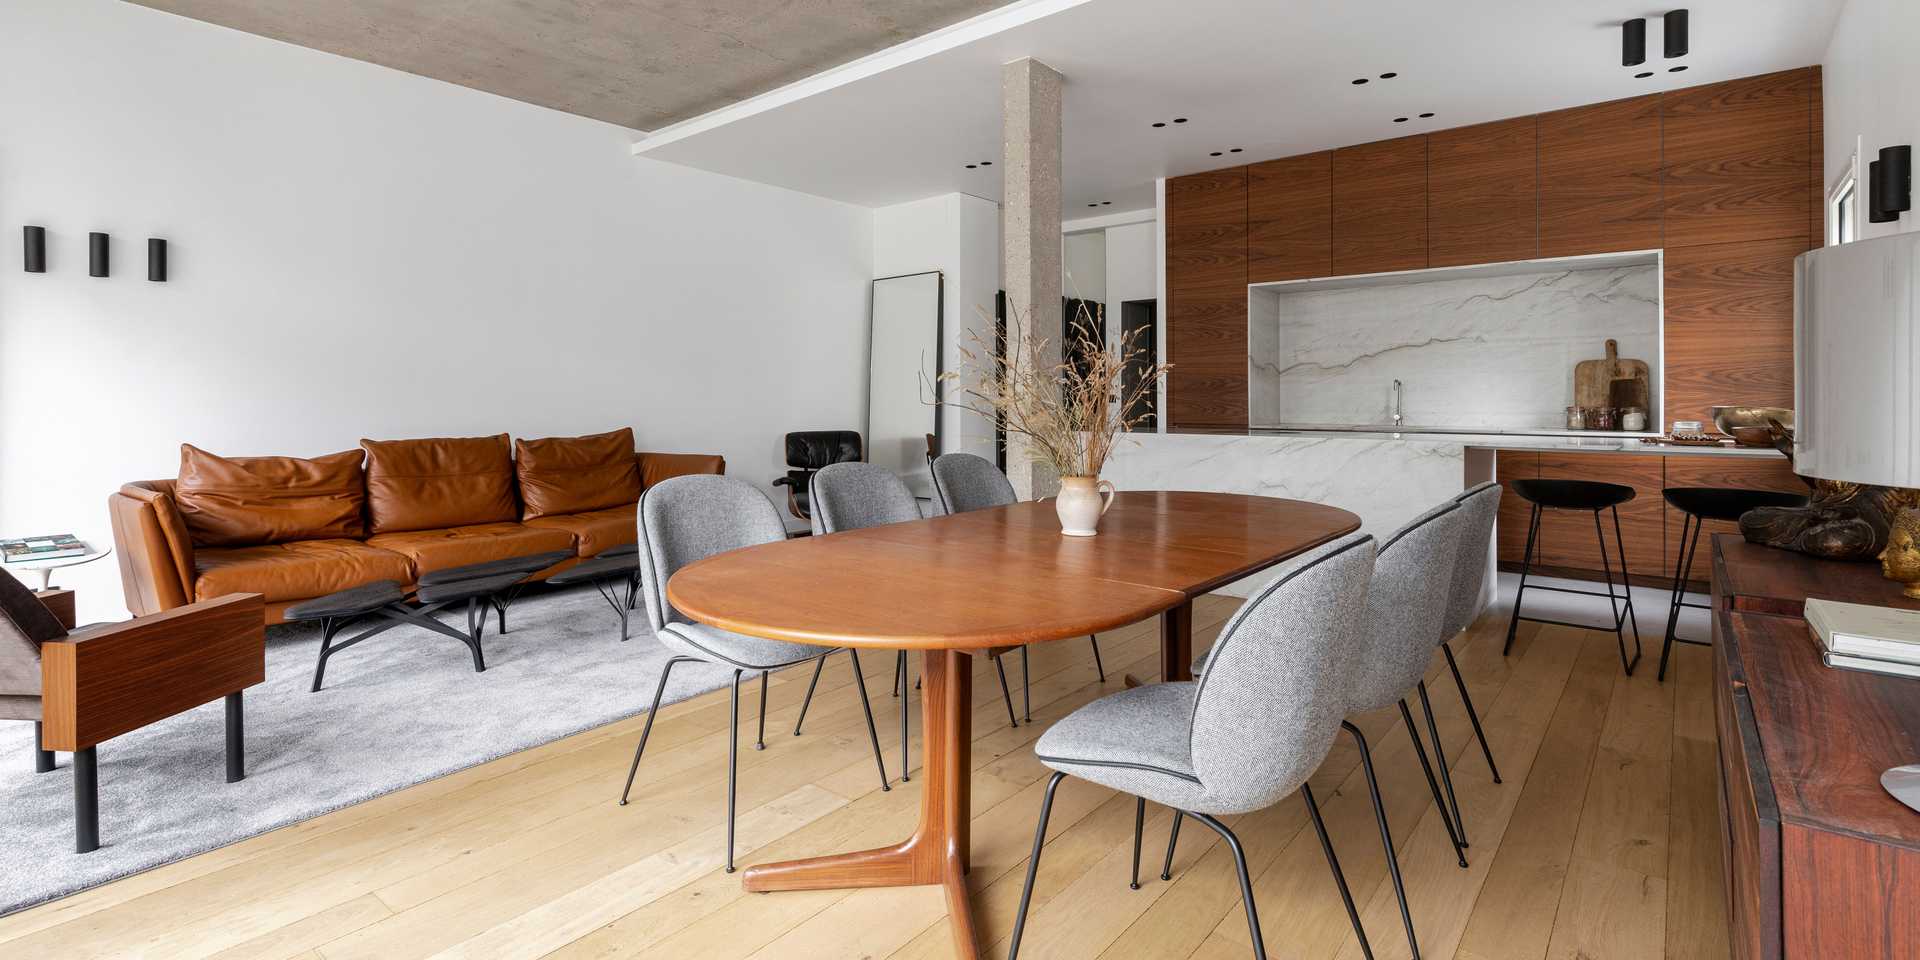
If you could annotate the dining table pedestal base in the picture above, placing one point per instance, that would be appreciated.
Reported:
(937, 852)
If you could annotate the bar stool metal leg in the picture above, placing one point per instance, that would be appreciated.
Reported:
(1624, 615)
(1526, 564)
(1682, 569)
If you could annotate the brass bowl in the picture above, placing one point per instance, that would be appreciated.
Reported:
(1748, 425)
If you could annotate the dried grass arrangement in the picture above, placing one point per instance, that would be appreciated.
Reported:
(1071, 410)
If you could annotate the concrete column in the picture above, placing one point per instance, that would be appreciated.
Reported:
(1030, 135)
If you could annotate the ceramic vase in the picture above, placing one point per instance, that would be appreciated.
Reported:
(1081, 503)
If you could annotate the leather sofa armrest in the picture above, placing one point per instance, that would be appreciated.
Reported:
(107, 680)
(155, 551)
(655, 467)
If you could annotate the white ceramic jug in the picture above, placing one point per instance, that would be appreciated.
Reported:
(1081, 506)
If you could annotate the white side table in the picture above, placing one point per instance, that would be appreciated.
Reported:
(46, 567)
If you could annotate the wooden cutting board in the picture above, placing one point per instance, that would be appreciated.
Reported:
(1593, 379)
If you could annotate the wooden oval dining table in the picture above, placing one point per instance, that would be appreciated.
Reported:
(956, 585)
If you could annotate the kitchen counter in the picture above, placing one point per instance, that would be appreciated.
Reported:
(1590, 442)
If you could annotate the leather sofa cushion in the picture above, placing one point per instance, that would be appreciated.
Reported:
(576, 474)
(244, 501)
(596, 531)
(295, 571)
(437, 483)
(458, 546)
(655, 467)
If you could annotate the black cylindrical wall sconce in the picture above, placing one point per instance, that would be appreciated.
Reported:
(97, 255)
(1675, 26)
(1890, 184)
(35, 242)
(1633, 42)
(156, 260)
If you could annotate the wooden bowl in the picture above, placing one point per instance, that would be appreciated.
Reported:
(1748, 425)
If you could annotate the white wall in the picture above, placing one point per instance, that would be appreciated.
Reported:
(358, 252)
(1871, 82)
(959, 235)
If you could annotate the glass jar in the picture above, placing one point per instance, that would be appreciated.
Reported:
(1603, 418)
(1633, 420)
(1576, 418)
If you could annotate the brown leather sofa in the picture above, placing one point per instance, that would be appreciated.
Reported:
(292, 529)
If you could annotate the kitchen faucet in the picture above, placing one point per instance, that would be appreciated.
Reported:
(1396, 404)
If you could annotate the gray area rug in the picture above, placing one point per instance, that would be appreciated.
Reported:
(399, 709)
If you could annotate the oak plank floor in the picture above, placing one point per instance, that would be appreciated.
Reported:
(1602, 841)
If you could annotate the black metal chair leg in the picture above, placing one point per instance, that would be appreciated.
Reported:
(1139, 822)
(236, 738)
(86, 801)
(899, 672)
(1386, 835)
(1339, 876)
(42, 759)
(901, 685)
(1033, 866)
(819, 664)
(329, 628)
(873, 733)
(1246, 882)
(760, 738)
(1099, 667)
(647, 730)
(733, 762)
(999, 663)
(1472, 714)
(476, 628)
(1173, 840)
(1026, 687)
(1526, 564)
(1446, 777)
(1426, 767)
(1683, 568)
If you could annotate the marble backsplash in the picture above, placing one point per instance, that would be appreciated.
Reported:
(1473, 352)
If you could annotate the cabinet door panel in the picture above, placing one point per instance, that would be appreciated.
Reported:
(1290, 218)
(1207, 299)
(1729, 326)
(1567, 536)
(1737, 160)
(1380, 206)
(1483, 203)
(1511, 529)
(1600, 178)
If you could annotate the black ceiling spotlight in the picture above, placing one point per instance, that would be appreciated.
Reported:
(97, 255)
(1214, 154)
(1890, 184)
(1675, 25)
(986, 163)
(156, 259)
(36, 249)
(1633, 42)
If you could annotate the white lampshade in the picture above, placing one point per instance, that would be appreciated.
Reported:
(1856, 362)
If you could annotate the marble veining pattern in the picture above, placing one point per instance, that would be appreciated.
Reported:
(1478, 352)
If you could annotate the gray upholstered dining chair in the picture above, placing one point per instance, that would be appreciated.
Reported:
(690, 518)
(852, 496)
(1411, 590)
(964, 482)
(1244, 736)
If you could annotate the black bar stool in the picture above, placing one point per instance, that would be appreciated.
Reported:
(1698, 504)
(1590, 496)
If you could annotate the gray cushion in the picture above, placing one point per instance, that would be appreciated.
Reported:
(351, 602)
(683, 519)
(967, 482)
(850, 496)
(1479, 507)
(25, 624)
(737, 649)
(1412, 580)
(1137, 741)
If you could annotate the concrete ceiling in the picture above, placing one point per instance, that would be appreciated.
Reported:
(1270, 78)
(637, 63)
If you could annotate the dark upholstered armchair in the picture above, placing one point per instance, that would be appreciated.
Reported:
(85, 687)
(807, 452)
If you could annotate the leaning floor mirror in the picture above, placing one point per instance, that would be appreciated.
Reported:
(903, 374)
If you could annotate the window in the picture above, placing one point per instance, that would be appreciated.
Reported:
(1843, 204)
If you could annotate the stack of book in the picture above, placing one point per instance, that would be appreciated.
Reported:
(42, 548)
(1858, 637)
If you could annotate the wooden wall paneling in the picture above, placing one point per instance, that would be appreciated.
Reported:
(1511, 529)
(1729, 325)
(1380, 206)
(1566, 536)
(1207, 299)
(1736, 160)
(1740, 473)
(1290, 218)
(1483, 199)
(1817, 161)
(1600, 178)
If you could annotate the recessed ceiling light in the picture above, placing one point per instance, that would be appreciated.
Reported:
(1360, 81)
(1389, 75)
(1676, 69)
(1643, 76)
(986, 163)
(1214, 154)
(970, 166)
(1426, 116)
(1179, 119)
(1161, 123)
(1106, 203)
(1233, 149)
(1399, 119)
(1092, 204)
